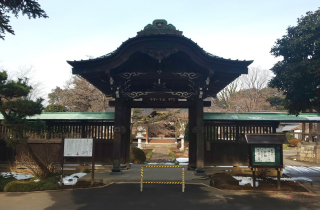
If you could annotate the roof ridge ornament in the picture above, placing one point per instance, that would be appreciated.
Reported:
(159, 26)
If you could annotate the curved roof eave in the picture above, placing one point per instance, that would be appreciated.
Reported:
(116, 53)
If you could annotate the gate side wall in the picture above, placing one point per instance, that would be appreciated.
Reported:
(49, 141)
(225, 144)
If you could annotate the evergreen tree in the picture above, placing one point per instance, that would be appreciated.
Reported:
(15, 107)
(55, 108)
(298, 74)
(31, 8)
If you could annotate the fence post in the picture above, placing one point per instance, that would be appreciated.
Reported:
(182, 179)
(141, 182)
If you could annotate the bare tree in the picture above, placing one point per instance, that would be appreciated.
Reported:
(168, 123)
(78, 95)
(29, 72)
(246, 94)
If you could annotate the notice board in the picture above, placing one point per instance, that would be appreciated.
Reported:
(74, 147)
(266, 154)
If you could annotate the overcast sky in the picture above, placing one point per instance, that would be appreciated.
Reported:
(75, 29)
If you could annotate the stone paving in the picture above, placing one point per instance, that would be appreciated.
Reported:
(160, 155)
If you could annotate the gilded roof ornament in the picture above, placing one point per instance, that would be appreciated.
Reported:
(159, 26)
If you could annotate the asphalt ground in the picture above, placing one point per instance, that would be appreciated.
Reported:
(128, 196)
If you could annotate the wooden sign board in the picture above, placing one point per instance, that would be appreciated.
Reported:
(74, 147)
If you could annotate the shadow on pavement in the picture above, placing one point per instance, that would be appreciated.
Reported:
(128, 196)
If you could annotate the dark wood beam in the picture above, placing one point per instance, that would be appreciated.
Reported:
(177, 104)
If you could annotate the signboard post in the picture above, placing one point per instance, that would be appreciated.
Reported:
(78, 147)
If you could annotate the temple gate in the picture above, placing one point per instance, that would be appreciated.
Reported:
(159, 68)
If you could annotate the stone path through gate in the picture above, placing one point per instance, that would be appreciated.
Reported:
(160, 155)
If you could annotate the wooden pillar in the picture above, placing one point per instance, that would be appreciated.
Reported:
(192, 139)
(83, 129)
(237, 132)
(310, 131)
(200, 137)
(117, 137)
(318, 133)
(303, 130)
(127, 136)
(275, 126)
(124, 135)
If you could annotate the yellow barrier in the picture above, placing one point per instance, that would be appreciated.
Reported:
(157, 166)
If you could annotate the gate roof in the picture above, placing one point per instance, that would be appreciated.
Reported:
(160, 62)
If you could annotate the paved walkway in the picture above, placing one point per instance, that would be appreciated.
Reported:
(133, 175)
(157, 197)
(160, 155)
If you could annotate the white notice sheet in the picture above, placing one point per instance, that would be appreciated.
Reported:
(78, 147)
(264, 154)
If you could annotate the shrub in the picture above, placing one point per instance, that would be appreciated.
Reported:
(137, 155)
(295, 142)
(30, 185)
(149, 155)
(48, 154)
(172, 154)
(262, 173)
(87, 171)
(288, 136)
(5, 181)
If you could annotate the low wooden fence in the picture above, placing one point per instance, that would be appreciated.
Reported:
(224, 141)
(52, 150)
(52, 135)
(225, 144)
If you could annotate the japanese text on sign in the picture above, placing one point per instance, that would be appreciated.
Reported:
(264, 154)
(78, 147)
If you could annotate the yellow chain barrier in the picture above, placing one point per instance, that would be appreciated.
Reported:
(157, 166)
(141, 183)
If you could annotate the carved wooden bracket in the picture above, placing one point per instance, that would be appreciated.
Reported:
(159, 54)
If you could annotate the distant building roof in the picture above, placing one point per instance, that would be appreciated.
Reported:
(287, 128)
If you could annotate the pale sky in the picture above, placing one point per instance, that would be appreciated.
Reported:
(244, 30)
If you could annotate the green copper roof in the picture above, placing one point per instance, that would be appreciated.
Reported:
(109, 116)
(283, 117)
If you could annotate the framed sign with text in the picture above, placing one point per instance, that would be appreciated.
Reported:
(266, 155)
(74, 147)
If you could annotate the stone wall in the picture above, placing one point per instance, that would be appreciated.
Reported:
(309, 152)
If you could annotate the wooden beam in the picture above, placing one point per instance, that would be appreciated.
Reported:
(178, 104)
